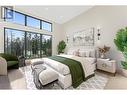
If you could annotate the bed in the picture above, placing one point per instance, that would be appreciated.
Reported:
(65, 76)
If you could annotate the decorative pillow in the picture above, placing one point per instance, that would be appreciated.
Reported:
(70, 52)
(82, 53)
(76, 52)
(87, 53)
(92, 53)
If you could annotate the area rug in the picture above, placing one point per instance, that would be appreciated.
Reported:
(96, 82)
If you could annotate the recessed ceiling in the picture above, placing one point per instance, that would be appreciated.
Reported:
(58, 14)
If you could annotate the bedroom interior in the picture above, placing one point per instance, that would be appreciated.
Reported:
(63, 47)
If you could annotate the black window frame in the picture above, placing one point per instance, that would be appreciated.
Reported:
(51, 40)
(46, 22)
(32, 17)
(25, 39)
(17, 30)
(13, 15)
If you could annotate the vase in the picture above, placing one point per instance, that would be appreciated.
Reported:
(102, 55)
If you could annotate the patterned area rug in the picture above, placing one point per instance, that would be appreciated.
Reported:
(96, 82)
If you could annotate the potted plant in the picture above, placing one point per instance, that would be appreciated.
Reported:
(61, 46)
(121, 44)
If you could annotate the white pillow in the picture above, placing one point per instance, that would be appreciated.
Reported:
(82, 53)
(92, 53)
(70, 52)
(76, 52)
(87, 53)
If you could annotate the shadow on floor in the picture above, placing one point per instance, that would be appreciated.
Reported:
(4, 82)
(15, 74)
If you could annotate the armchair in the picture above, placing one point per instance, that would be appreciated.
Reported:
(12, 61)
(3, 66)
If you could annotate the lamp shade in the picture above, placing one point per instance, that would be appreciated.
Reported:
(99, 44)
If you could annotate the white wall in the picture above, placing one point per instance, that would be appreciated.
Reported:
(108, 18)
(57, 30)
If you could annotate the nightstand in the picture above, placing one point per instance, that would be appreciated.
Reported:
(106, 65)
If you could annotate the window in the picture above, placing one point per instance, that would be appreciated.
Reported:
(46, 26)
(14, 42)
(33, 22)
(29, 44)
(8, 13)
(33, 49)
(46, 45)
(17, 17)
(26, 20)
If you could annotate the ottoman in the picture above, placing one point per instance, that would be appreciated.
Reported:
(43, 75)
(48, 76)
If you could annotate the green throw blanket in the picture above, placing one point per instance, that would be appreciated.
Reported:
(75, 67)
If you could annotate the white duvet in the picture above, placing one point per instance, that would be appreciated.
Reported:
(64, 69)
